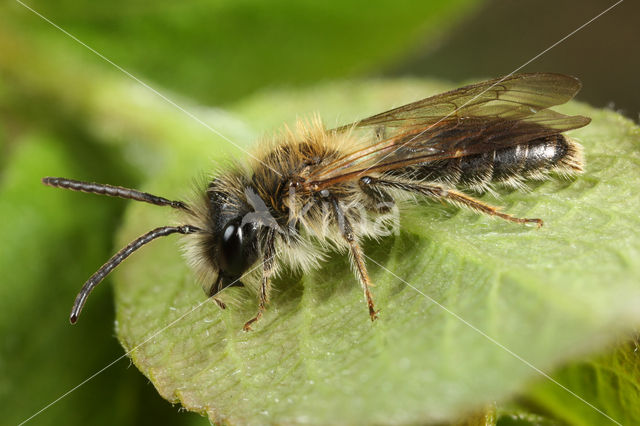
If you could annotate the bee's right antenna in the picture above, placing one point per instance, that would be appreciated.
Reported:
(113, 191)
(112, 263)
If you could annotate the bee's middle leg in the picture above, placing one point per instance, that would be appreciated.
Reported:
(357, 257)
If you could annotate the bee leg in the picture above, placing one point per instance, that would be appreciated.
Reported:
(268, 266)
(356, 251)
(453, 197)
(380, 200)
(220, 303)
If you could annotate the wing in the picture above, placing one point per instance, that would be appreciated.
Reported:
(512, 97)
(479, 118)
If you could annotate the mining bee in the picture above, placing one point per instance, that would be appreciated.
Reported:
(312, 190)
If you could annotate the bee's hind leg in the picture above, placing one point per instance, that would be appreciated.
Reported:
(356, 255)
(268, 263)
(449, 195)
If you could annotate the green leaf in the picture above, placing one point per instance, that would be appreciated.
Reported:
(221, 51)
(51, 241)
(47, 248)
(482, 292)
(611, 381)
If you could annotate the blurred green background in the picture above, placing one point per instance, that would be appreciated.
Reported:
(65, 111)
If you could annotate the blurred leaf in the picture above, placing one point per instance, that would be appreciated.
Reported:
(51, 241)
(221, 51)
(104, 104)
(522, 418)
(45, 246)
(610, 381)
(548, 295)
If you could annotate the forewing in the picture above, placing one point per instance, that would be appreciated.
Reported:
(512, 97)
(444, 140)
(482, 117)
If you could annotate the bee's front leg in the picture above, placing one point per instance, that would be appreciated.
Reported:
(268, 266)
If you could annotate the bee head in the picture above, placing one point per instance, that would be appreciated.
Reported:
(231, 244)
(232, 250)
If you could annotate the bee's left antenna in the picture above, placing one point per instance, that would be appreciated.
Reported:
(112, 263)
(113, 191)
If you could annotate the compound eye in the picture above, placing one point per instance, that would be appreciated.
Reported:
(232, 261)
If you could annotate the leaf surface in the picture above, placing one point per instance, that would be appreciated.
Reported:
(471, 307)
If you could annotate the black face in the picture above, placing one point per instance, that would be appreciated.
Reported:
(232, 245)
(236, 251)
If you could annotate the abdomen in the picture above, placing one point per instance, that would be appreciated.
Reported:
(508, 166)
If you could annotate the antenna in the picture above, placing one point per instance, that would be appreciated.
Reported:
(117, 258)
(113, 191)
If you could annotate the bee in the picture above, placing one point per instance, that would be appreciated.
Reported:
(311, 190)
